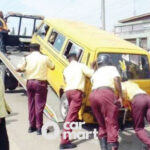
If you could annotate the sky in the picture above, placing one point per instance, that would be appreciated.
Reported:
(88, 11)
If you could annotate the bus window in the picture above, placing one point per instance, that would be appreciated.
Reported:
(72, 47)
(56, 40)
(42, 32)
(135, 66)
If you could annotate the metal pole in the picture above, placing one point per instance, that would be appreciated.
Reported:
(134, 10)
(103, 14)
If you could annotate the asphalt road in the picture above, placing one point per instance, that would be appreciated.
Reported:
(20, 139)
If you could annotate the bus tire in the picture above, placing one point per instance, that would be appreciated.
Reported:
(63, 106)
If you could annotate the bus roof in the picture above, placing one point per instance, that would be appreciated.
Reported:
(90, 36)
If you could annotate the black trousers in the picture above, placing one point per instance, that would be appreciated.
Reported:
(3, 39)
(4, 143)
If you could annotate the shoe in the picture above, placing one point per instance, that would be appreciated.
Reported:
(145, 147)
(31, 129)
(39, 131)
(112, 146)
(67, 146)
(103, 143)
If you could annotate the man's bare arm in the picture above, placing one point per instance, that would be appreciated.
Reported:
(21, 67)
(117, 82)
(19, 70)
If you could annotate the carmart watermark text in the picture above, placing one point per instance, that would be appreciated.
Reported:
(72, 130)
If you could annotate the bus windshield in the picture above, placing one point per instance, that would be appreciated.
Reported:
(135, 66)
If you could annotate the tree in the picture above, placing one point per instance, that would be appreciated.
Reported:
(13, 31)
(25, 31)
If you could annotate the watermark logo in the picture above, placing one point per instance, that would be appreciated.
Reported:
(77, 132)
(50, 130)
(72, 130)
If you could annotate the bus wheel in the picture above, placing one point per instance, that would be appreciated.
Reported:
(63, 106)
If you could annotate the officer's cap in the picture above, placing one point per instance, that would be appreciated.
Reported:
(104, 59)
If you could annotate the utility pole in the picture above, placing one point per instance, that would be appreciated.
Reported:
(134, 9)
(103, 14)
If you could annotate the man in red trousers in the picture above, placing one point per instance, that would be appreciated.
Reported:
(35, 67)
(140, 103)
(105, 81)
(74, 75)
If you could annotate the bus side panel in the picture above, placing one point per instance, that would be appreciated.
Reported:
(85, 113)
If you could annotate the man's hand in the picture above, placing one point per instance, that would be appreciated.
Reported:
(119, 102)
(19, 70)
(93, 65)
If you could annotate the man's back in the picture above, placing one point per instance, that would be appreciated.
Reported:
(36, 66)
(104, 76)
(130, 89)
(75, 75)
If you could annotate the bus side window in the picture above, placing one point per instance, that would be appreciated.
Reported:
(72, 47)
(42, 32)
(56, 40)
(52, 38)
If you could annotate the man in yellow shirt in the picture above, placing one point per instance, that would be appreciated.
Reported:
(4, 143)
(74, 75)
(3, 33)
(35, 68)
(105, 81)
(140, 103)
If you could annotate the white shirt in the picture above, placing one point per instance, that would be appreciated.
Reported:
(130, 89)
(75, 74)
(104, 76)
(36, 66)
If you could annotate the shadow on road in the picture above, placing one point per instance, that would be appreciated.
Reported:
(22, 91)
(12, 114)
(9, 118)
(128, 139)
(9, 121)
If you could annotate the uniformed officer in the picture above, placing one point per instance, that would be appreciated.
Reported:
(74, 75)
(3, 33)
(4, 109)
(35, 67)
(105, 81)
(140, 104)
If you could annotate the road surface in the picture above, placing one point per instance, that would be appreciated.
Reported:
(20, 139)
